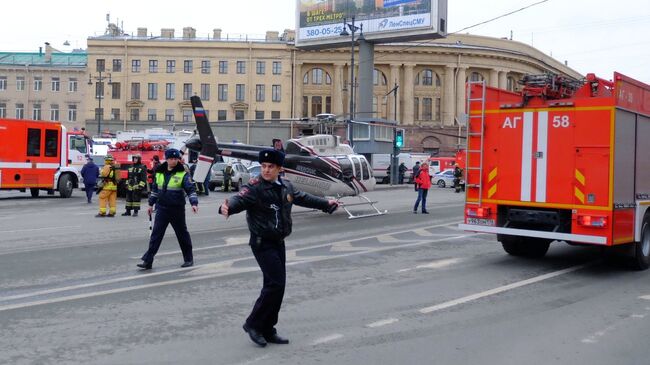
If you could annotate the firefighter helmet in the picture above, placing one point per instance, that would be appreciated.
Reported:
(109, 158)
(137, 157)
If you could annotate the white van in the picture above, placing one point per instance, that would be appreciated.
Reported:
(381, 161)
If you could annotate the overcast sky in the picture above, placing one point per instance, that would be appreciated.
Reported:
(600, 36)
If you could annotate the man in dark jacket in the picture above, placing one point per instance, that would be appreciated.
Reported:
(268, 203)
(416, 170)
(90, 173)
(168, 190)
(401, 171)
(136, 181)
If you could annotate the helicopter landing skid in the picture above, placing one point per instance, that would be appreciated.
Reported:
(365, 201)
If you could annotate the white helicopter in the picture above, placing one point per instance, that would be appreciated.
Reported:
(319, 164)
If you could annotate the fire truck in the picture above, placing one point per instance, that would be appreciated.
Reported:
(124, 151)
(40, 155)
(562, 160)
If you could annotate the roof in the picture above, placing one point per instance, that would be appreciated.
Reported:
(59, 59)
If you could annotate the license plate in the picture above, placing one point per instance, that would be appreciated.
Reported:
(480, 221)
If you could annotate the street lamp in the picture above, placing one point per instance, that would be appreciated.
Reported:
(344, 33)
(99, 94)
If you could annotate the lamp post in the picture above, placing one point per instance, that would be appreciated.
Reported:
(393, 157)
(344, 33)
(99, 94)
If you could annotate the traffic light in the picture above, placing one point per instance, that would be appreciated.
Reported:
(399, 138)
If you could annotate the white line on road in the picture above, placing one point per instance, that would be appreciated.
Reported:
(439, 264)
(230, 241)
(645, 297)
(326, 339)
(383, 322)
(40, 229)
(501, 289)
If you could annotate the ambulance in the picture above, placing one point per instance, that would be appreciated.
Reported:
(563, 160)
(40, 155)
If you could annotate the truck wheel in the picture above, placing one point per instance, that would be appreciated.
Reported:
(511, 244)
(65, 186)
(535, 247)
(641, 259)
(34, 192)
(441, 183)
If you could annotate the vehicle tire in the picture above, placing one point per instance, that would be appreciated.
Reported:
(237, 186)
(641, 260)
(524, 246)
(65, 186)
(34, 192)
(511, 244)
(441, 183)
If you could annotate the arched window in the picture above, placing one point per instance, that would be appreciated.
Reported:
(378, 78)
(511, 84)
(317, 76)
(428, 78)
(475, 76)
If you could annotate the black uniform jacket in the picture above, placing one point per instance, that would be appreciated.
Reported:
(267, 216)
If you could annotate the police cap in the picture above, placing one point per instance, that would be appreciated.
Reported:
(271, 156)
(172, 153)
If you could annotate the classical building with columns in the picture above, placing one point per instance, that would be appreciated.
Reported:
(152, 77)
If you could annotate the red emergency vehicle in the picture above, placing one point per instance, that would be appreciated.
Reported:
(563, 160)
(124, 151)
(40, 155)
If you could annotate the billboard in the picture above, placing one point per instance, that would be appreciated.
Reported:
(319, 23)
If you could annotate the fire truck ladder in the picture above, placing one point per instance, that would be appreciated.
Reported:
(475, 134)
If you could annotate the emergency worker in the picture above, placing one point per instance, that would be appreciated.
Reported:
(458, 174)
(108, 188)
(135, 183)
(170, 185)
(268, 203)
(227, 177)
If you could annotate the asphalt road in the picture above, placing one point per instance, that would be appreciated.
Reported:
(395, 289)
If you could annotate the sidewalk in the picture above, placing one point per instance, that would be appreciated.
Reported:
(393, 187)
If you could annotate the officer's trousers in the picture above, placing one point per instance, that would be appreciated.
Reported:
(133, 200)
(165, 216)
(110, 197)
(271, 258)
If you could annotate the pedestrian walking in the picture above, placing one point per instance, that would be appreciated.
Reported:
(170, 185)
(416, 170)
(136, 182)
(423, 182)
(268, 201)
(90, 173)
(107, 188)
(401, 171)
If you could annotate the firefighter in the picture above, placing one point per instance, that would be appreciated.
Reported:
(135, 183)
(458, 174)
(227, 177)
(268, 203)
(107, 189)
(170, 185)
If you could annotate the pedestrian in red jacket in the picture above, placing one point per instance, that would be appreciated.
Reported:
(423, 181)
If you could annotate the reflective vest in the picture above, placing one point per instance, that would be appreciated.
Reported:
(175, 181)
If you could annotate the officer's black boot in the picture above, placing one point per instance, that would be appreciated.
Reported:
(135, 212)
(128, 212)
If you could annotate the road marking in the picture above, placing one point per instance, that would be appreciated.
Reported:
(384, 322)
(501, 289)
(230, 241)
(326, 339)
(645, 297)
(39, 229)
(433, 265)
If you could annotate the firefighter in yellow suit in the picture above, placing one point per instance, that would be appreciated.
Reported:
(108, 194)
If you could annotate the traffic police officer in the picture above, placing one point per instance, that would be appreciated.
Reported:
(268, 203)
(168, 190)
(136, 181)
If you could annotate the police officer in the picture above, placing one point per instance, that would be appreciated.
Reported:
(268, 203)
(135, 183)
(169, 187)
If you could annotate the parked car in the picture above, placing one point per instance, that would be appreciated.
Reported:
(240, 175)
(255, 171)
(443, 178)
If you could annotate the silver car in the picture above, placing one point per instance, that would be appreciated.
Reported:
(443, 178)
(240, 175)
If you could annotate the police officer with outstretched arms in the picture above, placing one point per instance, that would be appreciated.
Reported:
(268, 201)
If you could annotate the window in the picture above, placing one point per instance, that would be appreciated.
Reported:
(101, 65)
(427, 109)
(73, 85)
(187, 115)
(187, 66)
(36, 112)
(117, 65)
(305, 106)
(305, 79)
(205, 91)
(115, 114)
(187, 91)
(135, 65)
(38, 83)
(152, 91)
(378, 78)
(99, 90)
(116, 88)
(151, 114)
(72, 113)
(361, 132)
(260, 67)
(171, 66)
(475, 76)
(135, 91)
(276, 90)
(240, 92)
(328, 104)
(54, 112)
(328, 79)
(135, 114)
(205, 67)
(223, 92)
(169, 115)
(277, 67)
(427, 78)
(20, 111)
(275, 114)
(316, 105)
(3, 110)
(3, 82)
(511, 83)
(170, 91)
(153, 66)
(416, 109)
(259, 92)
(222, 115)
(33, 142)
(241, 67)
(259, 114)
(438, 109)
(20, 83)
(239, 115)
(317, 76)
(223, 67)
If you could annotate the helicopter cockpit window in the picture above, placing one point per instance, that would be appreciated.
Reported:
(346, 168)
(357, 168)
(364, 169)
(292, 149)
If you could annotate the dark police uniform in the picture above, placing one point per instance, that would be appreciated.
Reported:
(168, 195)
(268, 213)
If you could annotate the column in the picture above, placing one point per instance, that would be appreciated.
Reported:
(448, 97)
(365, 89)
(337, 90)
(460, 91)
(494, 78)
(503, 79)
(297, 96)
(394, 104)
(407, 117)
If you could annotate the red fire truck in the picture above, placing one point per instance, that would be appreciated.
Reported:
(562, 160)
(39, 155)
(124, 151)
